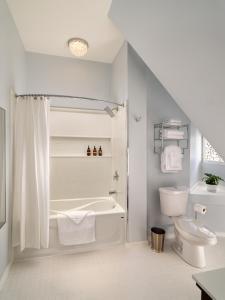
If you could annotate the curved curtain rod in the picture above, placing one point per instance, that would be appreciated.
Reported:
(68, 96)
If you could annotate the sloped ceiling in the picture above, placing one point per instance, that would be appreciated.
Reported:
(46, 25)
(183, 43)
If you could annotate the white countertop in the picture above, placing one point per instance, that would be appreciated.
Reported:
(212, 282)
(200, 188)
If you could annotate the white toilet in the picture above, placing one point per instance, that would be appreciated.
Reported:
(191, 237)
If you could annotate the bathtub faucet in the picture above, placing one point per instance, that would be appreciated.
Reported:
(116, 176)
(112, 192)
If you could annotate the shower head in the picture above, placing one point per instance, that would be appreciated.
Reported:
(109, 111)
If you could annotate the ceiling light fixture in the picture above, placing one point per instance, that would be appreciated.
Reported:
(78, 47)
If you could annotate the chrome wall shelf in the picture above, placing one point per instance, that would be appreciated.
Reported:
(160, 141)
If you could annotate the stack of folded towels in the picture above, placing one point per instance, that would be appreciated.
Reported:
(172, 134)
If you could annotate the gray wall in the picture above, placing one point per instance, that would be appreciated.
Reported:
(215, 168)
(119, 88)
(69, 76)
(161, 106)
(183, 43)
(137, 140)
(149, 99)
(197, 166)
(12, 76)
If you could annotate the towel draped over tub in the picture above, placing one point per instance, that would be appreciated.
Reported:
(76, 227)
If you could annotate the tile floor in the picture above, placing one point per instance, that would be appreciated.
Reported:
(124, 272)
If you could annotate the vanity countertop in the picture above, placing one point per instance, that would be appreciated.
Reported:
(212, 282)
(200, 188)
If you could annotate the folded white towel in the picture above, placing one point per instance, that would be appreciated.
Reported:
(76, 227)
(163, 165)
(175, 137)
(171, 159)
(172, 133)
(173, 122)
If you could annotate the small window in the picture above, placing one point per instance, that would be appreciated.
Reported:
(209, 153)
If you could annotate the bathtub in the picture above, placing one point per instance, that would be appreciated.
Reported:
(110, 219)
(101, 205)
(110, 225)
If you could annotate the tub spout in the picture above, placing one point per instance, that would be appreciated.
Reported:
(112, 192)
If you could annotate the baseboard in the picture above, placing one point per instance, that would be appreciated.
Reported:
(220, 234)
(130, 243)
(50, 252)
(5, 274)
(170, 236)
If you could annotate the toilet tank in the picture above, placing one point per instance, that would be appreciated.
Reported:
(173, 201)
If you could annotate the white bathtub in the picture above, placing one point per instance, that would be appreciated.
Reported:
(110, 219)
(101, 205)
(110, 225)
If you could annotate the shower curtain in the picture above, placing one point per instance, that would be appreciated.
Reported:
(31, 173)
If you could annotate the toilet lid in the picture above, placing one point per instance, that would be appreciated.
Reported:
(190, 226)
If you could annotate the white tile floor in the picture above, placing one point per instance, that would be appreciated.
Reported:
(125, 272)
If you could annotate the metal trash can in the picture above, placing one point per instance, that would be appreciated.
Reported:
(157, 239)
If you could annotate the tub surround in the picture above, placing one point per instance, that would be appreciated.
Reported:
(72, 131)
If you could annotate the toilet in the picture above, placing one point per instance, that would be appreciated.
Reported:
(191, 237)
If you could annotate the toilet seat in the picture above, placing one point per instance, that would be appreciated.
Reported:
(194, 232)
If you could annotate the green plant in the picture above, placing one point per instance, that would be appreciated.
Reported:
(212, 179)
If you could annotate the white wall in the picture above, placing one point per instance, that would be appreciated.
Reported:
(12, 75)
(137, 143)
(183, 43)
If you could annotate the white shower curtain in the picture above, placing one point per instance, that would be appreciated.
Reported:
(31, 173)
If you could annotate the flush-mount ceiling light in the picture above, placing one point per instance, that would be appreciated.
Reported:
(78, 47)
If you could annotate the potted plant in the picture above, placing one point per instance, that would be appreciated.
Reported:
(212, 181)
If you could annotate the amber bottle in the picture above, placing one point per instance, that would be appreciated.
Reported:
(94, 151)
(100, 151)
(88, 151)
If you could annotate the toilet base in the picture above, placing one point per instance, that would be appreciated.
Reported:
(192, 254)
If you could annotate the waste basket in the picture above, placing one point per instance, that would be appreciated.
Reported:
(157, 239)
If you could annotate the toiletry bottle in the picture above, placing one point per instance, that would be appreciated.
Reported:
(94, 151)
(88, 151)
(100, 151)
